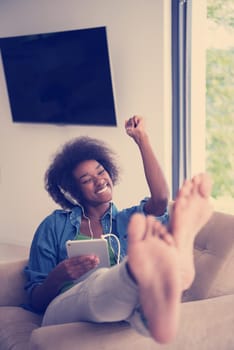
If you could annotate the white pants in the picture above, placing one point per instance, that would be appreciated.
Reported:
(106, 295)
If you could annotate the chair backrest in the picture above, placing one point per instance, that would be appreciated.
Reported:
(214, 259)
(214, 262)
(12, 279)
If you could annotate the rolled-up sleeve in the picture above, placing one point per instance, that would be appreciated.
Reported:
(43, 254)
(164, 218)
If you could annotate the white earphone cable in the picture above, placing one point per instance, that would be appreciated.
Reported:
(107, 235)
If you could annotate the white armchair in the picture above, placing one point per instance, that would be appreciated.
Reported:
(207, 318)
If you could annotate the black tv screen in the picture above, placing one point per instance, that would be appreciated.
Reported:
(60, 77)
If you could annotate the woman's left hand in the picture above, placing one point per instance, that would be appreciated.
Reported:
(135, 127)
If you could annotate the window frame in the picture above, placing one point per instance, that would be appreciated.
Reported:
(181, 11)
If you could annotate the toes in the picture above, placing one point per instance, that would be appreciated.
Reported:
(168, 238)
(203, 184)
(136, 228)
(165, 235)
(200, 185)
(152, 226)
(146, 227)
(185, 189)
(161, 231)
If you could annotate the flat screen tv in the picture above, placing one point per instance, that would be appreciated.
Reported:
(60, 77)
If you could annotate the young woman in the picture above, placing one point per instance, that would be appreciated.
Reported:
(81, 179)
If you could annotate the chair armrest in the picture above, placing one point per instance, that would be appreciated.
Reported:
(12, 283)
(204, 324)
(86, 336)
(214, 259)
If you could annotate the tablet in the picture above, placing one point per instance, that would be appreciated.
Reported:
(97, 247)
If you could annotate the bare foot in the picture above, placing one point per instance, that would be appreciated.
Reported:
(154, 262)
(190, 213)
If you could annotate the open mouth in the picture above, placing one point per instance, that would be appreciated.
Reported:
(103, 189)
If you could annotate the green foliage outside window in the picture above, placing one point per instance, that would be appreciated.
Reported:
(220, 104)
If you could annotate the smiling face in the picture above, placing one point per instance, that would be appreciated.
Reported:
(94, 183)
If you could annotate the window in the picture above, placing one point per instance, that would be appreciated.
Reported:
(220, 100)
(203, 123)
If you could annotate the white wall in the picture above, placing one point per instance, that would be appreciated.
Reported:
(138, 42)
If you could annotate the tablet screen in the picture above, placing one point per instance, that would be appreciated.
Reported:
(98, 247)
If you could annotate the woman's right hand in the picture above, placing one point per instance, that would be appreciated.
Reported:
(73, 268)
(67, 270)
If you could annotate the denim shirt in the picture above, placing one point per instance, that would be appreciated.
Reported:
(48, 247)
